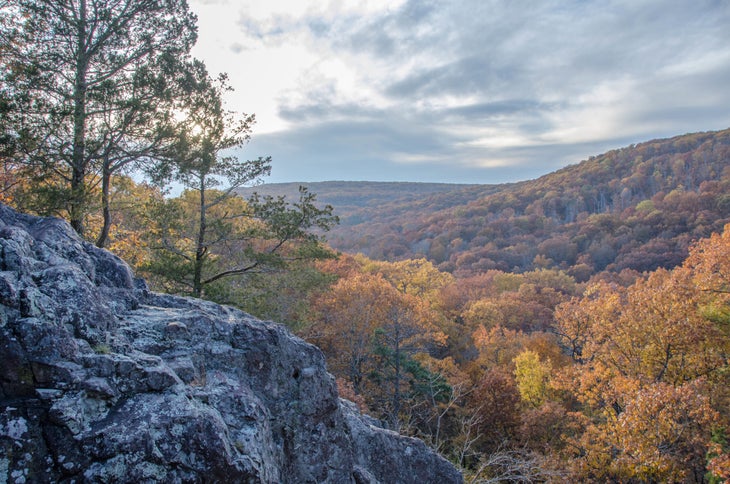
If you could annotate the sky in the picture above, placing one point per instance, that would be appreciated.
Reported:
(463, 91)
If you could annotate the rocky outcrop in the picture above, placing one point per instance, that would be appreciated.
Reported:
(102, 380)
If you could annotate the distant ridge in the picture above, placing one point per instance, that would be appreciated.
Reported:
(638, 207)
(350, 195)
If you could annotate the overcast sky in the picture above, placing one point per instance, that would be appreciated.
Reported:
(464, 91)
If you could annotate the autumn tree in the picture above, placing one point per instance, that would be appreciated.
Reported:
(90, 80)
(417, 277)
(651, 370)
(351, 311)
(652, 331)
(370, 332)
(129, 224)
(532, 376)
(709, 262)
(496, 402)
(661, 434)
(420, 279)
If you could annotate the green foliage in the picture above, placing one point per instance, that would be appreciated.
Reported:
(719, 437)
(89, 86)
(281, 296)
(409, 382)
(261, 238)
(426, 384)
(718, 313)
(645, 206)
(294, 221)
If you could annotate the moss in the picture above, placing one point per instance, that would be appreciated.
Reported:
(102, 349)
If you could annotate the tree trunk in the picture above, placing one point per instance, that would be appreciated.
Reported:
(105, 209)
(397, 377)
(200, 249)
(77, 200)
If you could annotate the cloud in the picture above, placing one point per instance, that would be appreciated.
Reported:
(441, 88)
(382, 152)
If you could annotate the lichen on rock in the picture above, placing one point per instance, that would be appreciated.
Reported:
(103, 380)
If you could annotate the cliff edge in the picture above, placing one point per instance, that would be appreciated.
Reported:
(102, 380)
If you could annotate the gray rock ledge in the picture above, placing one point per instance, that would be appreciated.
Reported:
(102, 380)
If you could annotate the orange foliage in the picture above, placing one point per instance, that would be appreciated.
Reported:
(651, 370)
(661, 436)
(719, 464)
(346, 390)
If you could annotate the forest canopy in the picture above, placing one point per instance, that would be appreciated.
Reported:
(636, 208)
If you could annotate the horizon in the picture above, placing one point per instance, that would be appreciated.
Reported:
(588, 158)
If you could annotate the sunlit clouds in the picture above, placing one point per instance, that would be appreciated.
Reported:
(467, 91)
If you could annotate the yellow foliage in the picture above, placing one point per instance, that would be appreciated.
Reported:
(532, 377)
(417, 277)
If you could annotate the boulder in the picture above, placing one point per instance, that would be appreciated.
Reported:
(102, 380)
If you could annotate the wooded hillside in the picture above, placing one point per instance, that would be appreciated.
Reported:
(637, 208)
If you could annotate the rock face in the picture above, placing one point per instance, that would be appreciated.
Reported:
(102, 380)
